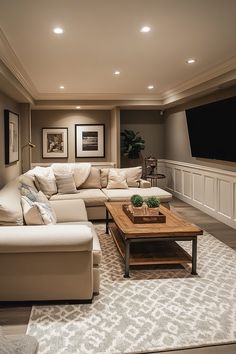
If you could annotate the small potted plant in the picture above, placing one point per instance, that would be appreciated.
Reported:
(136, 202)
(153, 204)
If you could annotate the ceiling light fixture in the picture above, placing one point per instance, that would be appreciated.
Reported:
(77, 107)
(117, 72)
(191, 61)
(150, 87)
(58, 30)
(145, 29)
(62, 87)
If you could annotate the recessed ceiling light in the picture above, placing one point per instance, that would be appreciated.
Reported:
(62, 87)
(117, 72)
(58, 30)
(77, 107)
(145, 29)
(191, 61)
(150, 87)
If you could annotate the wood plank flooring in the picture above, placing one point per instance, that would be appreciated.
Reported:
(14, 320)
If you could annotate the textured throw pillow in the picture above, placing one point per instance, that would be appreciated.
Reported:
(10, 206)
(29, 180)
(37, 213)
(65, 183)
(116, 179)
(133, 175)
(28, 191)
(93, 180)
(46, 184)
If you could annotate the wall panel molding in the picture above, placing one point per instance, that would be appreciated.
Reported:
(209, 189)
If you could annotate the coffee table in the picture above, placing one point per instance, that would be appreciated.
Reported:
(153, 243)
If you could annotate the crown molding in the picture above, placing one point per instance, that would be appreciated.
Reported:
(203, 78)
(9, 58)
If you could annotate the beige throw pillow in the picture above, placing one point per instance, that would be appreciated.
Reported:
(10, 206)
(104, 176)
(93, 180)
(46, 184)
(37, 213)
(65, 184)
(116, 179)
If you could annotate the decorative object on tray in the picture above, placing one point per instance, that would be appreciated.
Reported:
(153, 204)
(89, 140)
(136, 202)
(55, 143)
(142, 215)
(11, 121)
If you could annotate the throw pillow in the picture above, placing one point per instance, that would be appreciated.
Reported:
(10, 206)
(65, 183)
(37, 213)
(93, 180)
(116, 179)
(133, 175)
(46, 184)
(104, 176)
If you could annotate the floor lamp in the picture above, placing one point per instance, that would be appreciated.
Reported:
(30, 145)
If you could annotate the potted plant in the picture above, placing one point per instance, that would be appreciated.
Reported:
(131, 144)
(136, 202)
(153, 204)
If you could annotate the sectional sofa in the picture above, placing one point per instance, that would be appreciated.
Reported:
(59, 260)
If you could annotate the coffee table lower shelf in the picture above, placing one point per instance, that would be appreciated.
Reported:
(152, 252)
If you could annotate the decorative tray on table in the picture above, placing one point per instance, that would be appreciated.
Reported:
(143, 215)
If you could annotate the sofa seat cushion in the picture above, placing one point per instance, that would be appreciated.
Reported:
(119, 195)
(97, 252)
(91, 197)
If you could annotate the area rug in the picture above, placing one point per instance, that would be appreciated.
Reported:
(155, 310)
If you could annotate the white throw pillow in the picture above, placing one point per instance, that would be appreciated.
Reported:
(46, 184)
(133, 175)
(116, 179)
(66, 184)
(37, 213)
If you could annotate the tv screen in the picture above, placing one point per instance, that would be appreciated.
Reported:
(212, 130)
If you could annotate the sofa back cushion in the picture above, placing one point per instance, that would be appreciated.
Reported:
(93, 180)
(104, 177)
(80, 171)
(10, 205)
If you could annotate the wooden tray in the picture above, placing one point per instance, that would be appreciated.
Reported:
(141, 218)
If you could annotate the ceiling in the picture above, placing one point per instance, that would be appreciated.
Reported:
(101, 36)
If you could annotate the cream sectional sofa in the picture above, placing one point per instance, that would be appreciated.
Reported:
(47, 262)
(95, 193)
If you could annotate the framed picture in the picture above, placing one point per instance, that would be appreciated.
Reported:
(90, 140)
(11, 124)
(55, 143)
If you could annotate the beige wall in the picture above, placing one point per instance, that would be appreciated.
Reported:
(177, 145)
(7, 172)
(150, 124)
(68, 118)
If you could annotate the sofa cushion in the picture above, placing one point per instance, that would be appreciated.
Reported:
(93, 180)
(91, 197)
(29, 181)
(65, 183)
(40, 171)
(133, 175)
(39, 212)
(116, 179)
(10, 205)
(97, 252)
(104, 176)
(125, 194)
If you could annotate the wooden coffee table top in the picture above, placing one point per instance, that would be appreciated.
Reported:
(174, 226)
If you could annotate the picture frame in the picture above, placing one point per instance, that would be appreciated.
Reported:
(11, 130)
(54, 143)
(90, 140)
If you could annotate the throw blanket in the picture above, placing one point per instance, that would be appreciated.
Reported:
(80, 171)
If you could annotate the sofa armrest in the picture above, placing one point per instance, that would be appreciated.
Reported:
(144, 183)
(69, 210)
(45, 238)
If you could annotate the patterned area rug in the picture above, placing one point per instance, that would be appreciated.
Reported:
(154, 310)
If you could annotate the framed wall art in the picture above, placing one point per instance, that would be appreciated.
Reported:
(11, 125)
(55, 143)
(89, 140)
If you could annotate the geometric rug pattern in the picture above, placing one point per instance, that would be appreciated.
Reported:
(156, 309)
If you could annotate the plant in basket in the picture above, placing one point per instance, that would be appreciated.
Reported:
(136, 202)
(153, 204)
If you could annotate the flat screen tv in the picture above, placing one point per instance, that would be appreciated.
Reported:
(212, 130)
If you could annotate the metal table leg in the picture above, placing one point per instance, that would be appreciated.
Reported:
(194, 256)
(107, 221)
(127, 254)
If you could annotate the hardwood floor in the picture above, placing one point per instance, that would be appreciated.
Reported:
(14, 320)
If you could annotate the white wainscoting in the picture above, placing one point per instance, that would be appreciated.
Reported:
(210, 190)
